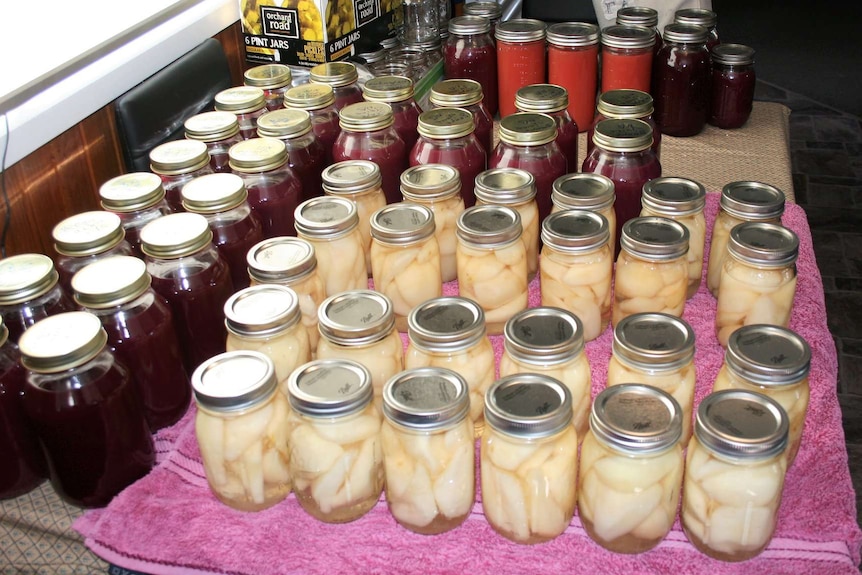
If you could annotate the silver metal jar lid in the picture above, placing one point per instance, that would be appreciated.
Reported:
(654, 341)
(356, 317)
(573, 34)
(402, 223)
(469, 24)
(179, 157)
(389, 42)
(388, 89)
(426, 398)
(685, 33)
(261, 311)
(624, 104)
(456, 93)
(88, 233)
(214, 193)
(330, 388)
(490, 10)
(505, 186)
(628, 135)
(268, 76)
(325, 217)
(696, 16)
(25, 277)
(110, 282)
(334, 74)
(655, 238)
(62, 341)
(489, 226)
(732, 54)
(240, 100)
(544, 335)
(636, 419)
(281, 260)
(528, 405)
(257, 155)
(445, 123)
(446, 324)
(234, 381)
(211, 126)
(763, 244)
(309, 97)
(768, 355)
(520, 30)
(132, 192)
(583, 190)
(287, 123)
(628, 37)
(175, 235)
(528, 129)
(637, 16)
(741, 425)
(351, 177)
(430, 182)
(365, 116)
(575, 231)
(752, 200)
(541, 98)
(372, 56)
(671, 196)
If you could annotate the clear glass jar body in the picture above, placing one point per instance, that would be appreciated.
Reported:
(579, 283)
(173, 185)
(337, 464)
(218, 153)
(627, 68)
(546, 162)
(407, 274)
(307, 157)
(332, 253)
(567, 137)
(405, 119)
(730, 506)
(575, 68)
(67, 265)
(347, 94)
(310, 293)
(446, 211)
(132, 223)
(384, 147)
(529, 485)
(235, 231)
(607, 212)
(529, 212)
(642, 285)
(324, 124)
(273, 196)
(696, 225)
(430, 475)
(519, 64)
(732, 95)
(18, 317)
(288, 348)
(473, 57)
(495, 278)
(681, 94)
(656, 132)
(247, 121)
(367, 202)
(275, 97)
(724, 222)
(628, 502)
(465, 154)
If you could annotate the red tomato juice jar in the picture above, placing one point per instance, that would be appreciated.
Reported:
(520, 59)
(573, 59)
(627, 55)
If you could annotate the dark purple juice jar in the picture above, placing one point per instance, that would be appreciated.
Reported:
(84, 238)
(223, 200)
(732, 85)
(85, 409)
(625, 104)
(397, 91)
(137, 198)
(470, 53)
(273, 79)
(466, 94)
(247, 103)
(553, 101)
(140, 329)
(343, 77)
(305, 152)
(319, 101)
(274, 189)
(700, 17)
(189, 273)
(681, 81)
(177, 163)
(219, 131)
(29, 291)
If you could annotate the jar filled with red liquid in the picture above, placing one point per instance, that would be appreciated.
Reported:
(188, 271)
(446, 136)
(470, 53)
(397, 91)
(342, 77)
(23, 462)
(573, 60)
(627, 55)
(586, 191)
(527, 141)
(553, 101)
(247, 103)
(140, 328)
(219, 131)
(623, 153)
(466, 94)
(319, 101)
(732, 85)
(626, 105)
(520, 59)
(274, 189)
(85, 410)
(85, 238)
(137, 198)
(273, 79)
(177, 163)
(700, 17)
(305, 153)
(641, 16)
(681, 78)
(29, 291)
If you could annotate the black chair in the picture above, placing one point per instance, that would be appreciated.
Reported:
(153, 112)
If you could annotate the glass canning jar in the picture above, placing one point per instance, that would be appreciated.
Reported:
(734, 474)
(550, 341)
(306, 154)
(528, 463)
(449, 332)
(219, 131)
(682, 200)
(758, 280)
(241, 428)
(397, 91)
(631, 468)
(528, 141)
(428, 450)
(641, 16)
(446, 136)
(29, 291)
(627, 57)
(274, 189)
(137, 198)
(333, 426)
(248, 103)
(774, 361)
(576, 267)
(740, 202)
(223, 200)
(84, 409)
(624, 104)
(586, 191)
(732, 85)
(553, 101)
(520, 59)
(342, 77)
(140, 328)
(656, 349)
(468, 95)
(573, 57)
(421, 21)
(681, 80)
(177, 163)
(490, 10)
(86, 238)
(319, 101)
(413, 57)
(405, 257)
(470, 53)
(273, 79)
(189, 273)
(331, 226)
(700, 17)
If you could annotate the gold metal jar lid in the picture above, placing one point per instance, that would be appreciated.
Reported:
(470, 24)
(489, 226)
(636, 419)
(741, 424)
(426, 398)
(132, 192)
(575, 231)
(528, 129)
(624, 104)
(456, 93)
(179, 157)
(261, 311)
(655, 238)
(573, 34)
(330, 388)
(541, 98)
(446, 123)
(490, 10)
(637, 16)
(584, 191)
(234, 381)
(520, 30)
(309, 97)
(63, 341)
(402, 223)
(628, 37)
(268, 76)
(326, 217)
(351, 177)
(284, 124)
(88, 233)
(680, 33)
(543, 336)
(623, 135)
(365, 116)
(696, 16)
(212, 126)
(334, 74)
(25, 277)
(770, 356)
(505, 186)
(257, 155)
(110, 282)
(430, 182)
(214, 193)
(281, 260)
(388, 89)
(356, 317)
(446, 324)
(654, 341)
(754, 201)
(528, 405)
(240, 100)
(763, 244)
(175, 236)
(672, 196)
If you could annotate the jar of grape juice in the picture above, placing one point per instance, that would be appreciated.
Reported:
(681, 81)
(85, 238)
(732, 82)
(553, 101)
(29, 291)
(273, 79)
(470, 53)
(342, 77)
(137, 198)
(306, 154)
(248, 103)
(397, 91)
(319, 101)
(219, 131)
(177, 163)
(468, 95)
(700, 17)
(624, 104)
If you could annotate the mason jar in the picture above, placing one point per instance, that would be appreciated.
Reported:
(29, 291)
(641, 16)
(627, 57)
(306, 154)
(219, 131)
(520, 59)
(137, 198)
(552, 100)
(625, 104)
(470, 53)
(573, 50)
(342, 77)
(681, 81)
(700, 17)
(85, 238)
(732, 84)
(397, 91)
(319, 101)
(273, 79)
(248, 103)
(177, 163)
(586, 191)
(468, 95)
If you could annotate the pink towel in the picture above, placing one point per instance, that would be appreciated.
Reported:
(169, 523)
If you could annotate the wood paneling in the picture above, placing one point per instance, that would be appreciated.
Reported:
(234, 48)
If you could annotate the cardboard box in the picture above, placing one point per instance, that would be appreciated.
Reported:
(310, 32)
